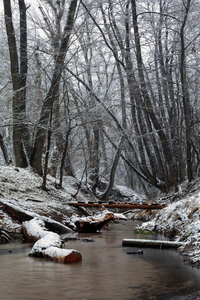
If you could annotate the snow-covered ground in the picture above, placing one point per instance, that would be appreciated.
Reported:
(132, 195)
(22, 188)
(180, 221)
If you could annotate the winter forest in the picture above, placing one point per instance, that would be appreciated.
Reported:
(104, 90)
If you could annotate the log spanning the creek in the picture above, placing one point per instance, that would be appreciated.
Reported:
(118, 205)
(151, 243)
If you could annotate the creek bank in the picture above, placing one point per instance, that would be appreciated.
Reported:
(20, 189)
(21, 199)
(180, 221)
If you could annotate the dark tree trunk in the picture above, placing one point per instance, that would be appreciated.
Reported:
(47, 153)
(109, 188)
(23, 74)
(20, 157)
(171, 178)
(36, 157)
(4, 149)
(185, 97)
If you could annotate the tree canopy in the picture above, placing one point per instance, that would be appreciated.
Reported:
(107, 91)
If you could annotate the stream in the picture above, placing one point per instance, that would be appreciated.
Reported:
(106, 272)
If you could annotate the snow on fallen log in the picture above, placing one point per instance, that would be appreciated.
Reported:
(151, 243)
(65, 256)
(34, 229)
(50, 239)
(19, 214)
(48, 244)
(96, 222)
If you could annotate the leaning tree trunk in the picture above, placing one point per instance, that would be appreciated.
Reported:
(36, 157)
(171, 178)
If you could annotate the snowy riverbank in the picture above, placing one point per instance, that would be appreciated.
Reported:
(21, 188)
(180, 221)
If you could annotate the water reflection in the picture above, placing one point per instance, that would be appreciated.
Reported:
(106, 272)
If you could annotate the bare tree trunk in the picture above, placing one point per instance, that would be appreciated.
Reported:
(171, 180)
(20, 157)
(48, 138)
(36, 157)
(94, 163)
(185, 96)
(4, 149)
(65, 160)
(109, 188)
(57, 9)
(23, 74)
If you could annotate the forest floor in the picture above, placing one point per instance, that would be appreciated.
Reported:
(21, 189)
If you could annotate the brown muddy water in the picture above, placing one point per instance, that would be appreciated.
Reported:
(106, 272)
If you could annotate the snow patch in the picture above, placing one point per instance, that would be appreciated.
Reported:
(57, 252)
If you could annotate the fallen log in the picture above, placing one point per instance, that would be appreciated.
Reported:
(48, 247)
(66, 256)
(48, 244)
(119, 205)
(151, 243)
(34, 230)
(21, 216)
(95, 223)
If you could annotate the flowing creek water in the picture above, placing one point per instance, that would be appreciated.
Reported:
(106, 272)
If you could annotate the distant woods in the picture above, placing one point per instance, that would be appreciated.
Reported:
(107, 91)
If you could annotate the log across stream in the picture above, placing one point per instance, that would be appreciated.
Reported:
(111, 205)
